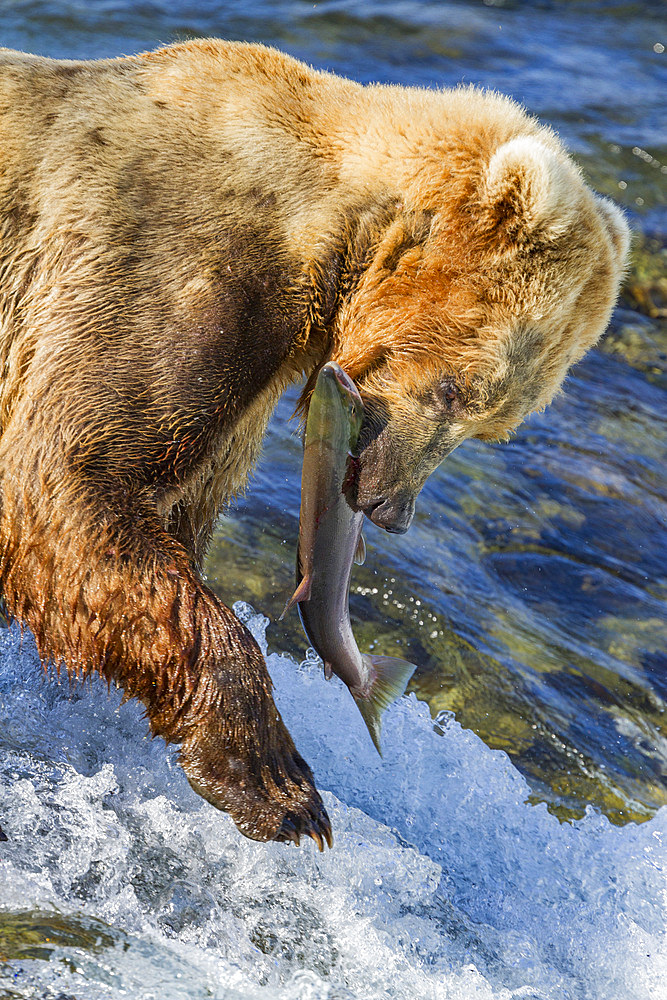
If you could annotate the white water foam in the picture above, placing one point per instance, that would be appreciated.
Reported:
(443, 882)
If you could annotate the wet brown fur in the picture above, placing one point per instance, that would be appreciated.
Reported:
(184, 233)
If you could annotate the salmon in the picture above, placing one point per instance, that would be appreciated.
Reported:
(330, 538)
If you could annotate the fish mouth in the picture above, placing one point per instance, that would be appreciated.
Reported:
(341, 377)
(392, 514)
(333, 369)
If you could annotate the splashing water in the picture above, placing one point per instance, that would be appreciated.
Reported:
(118, 881)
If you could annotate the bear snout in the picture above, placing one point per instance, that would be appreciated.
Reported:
(394, 514)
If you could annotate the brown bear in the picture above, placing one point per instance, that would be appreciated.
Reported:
(182, 234)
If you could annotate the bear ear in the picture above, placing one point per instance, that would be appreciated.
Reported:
(528, 186)
(617, 227)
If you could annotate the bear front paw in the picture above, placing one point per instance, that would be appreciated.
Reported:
(268, 791)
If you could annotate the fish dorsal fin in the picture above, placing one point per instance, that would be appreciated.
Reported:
(302, 593)
(360, 551)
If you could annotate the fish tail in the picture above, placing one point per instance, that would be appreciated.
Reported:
(392, 676)
(302, 593)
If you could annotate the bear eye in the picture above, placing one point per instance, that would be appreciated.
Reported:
(449, 393)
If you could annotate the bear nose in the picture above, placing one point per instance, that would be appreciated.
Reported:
(393, 515)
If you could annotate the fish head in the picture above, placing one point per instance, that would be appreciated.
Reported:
(337, 401)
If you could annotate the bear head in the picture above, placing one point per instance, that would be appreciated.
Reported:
(495, 273)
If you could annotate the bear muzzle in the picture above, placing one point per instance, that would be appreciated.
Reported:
(394, 514)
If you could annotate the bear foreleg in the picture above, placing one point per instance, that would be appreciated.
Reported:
(114, 592)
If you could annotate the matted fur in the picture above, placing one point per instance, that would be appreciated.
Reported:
(184, 233)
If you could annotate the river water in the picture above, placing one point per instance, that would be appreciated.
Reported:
(516, 849)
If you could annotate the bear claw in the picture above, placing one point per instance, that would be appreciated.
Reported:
(288, 832)
(323, 828)
(316, 826)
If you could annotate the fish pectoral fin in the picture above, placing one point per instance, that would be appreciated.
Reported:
(302, 593)
(391, 680)
(328, 671)
(360, 551)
